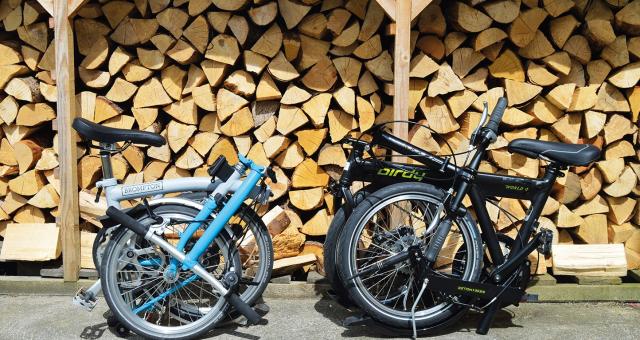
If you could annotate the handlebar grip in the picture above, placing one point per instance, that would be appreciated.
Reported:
(127, 221)
(496, 115)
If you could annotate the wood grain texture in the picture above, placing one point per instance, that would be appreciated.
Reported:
(68, 219)
(402, 59)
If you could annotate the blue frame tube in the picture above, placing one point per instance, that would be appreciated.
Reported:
(222, 219)
(160, 297)
(208, 207)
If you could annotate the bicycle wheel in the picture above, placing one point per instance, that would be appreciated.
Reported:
(387, 222)
(249, 232)
(154, 305)
(330, 250)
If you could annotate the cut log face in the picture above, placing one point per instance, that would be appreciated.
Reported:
(34, 114)
(469, 19)
(523, 29)
(322, 76)
(290, 119)
(508, 66)
(308, 175)
(623, 185)
(306, 199)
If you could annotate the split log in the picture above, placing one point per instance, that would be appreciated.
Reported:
(591, 260)
(306, 199)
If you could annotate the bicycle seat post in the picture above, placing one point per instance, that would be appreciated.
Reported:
(106, 149)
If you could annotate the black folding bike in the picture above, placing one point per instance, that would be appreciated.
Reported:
(410, 254)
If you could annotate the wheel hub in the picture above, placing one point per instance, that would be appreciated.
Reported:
(401, 239)
(169, 275)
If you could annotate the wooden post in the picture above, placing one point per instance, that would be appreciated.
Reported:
(402, 12)
(68, 220)
(401, 62)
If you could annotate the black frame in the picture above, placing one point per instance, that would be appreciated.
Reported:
(438, 171)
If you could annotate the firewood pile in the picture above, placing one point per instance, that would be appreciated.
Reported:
(283, 81)
(29, 188)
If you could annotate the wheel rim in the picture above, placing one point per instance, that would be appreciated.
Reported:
(255, 252)
(254, 255)
(189, 309)
(393, 291)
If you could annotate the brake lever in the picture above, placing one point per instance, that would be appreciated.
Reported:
(483, 120)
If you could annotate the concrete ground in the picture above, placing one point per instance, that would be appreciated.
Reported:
(54, 317)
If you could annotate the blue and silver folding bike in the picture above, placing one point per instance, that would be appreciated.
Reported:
(173, 267)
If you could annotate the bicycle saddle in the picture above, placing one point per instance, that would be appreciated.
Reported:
(100, 133)
(563, 153)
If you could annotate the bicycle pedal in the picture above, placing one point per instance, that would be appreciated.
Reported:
(85, 300)
(546, 239)
(261, 308)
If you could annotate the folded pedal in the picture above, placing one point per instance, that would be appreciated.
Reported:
(85, 300)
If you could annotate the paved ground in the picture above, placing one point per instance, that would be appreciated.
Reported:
(53, 317)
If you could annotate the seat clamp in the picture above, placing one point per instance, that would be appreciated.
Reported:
(107, 182)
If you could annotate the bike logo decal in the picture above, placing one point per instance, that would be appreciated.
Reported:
(413, 174)
(471, 290)
(516, 187)
(129, 190)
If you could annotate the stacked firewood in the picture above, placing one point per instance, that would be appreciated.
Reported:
(283, 81)
(279, 81)
(29, 188)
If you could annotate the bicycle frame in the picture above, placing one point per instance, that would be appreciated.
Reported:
(241, 189)
(478, 186)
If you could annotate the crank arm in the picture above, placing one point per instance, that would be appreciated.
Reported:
(384, 264)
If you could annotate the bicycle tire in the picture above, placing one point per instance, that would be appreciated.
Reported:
(446, 315)
(249, 293)
(330, 249)
(133, 322)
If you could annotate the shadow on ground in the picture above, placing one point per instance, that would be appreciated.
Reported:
(335, 312)
(233, 326)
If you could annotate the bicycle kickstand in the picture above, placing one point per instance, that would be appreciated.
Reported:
(487, 318)
(413, 308)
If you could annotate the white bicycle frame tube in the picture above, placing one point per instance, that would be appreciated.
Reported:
(115, 193)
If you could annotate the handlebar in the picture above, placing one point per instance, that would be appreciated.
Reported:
(496, 115)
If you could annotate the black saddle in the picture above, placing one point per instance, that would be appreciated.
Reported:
(104, 134)
(565, 154)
